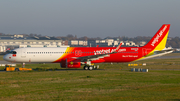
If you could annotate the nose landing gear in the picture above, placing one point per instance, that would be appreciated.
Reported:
(23, 65)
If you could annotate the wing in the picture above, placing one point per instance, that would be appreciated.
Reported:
(96, 57)
(92, 57)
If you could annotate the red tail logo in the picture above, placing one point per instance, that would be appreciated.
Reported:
(156, 39)
(159, 38)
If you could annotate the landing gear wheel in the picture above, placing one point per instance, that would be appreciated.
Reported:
(85, 67)
(94, 67)
(90, 68)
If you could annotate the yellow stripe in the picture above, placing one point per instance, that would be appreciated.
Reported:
(68, 49)
(162, 44)
(159, 47)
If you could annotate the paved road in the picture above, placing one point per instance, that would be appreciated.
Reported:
(5, 62)
(167, 57)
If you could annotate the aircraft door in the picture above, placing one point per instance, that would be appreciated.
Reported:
(23, 53)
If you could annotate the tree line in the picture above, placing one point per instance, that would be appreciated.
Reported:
(172, 41)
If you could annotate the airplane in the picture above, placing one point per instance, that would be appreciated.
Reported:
(74, 57)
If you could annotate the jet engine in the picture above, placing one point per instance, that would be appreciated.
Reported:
(71, 63)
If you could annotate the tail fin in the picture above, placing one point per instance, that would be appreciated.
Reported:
(158, 42)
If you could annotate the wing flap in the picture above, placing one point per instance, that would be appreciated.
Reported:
(92, 57)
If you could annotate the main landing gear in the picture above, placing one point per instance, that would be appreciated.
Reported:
(86, 67)
(23, 65)
(89, 66)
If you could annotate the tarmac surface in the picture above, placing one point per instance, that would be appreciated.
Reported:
(5, 62)
(167, 57)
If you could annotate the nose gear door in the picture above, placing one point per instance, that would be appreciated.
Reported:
(23, 53)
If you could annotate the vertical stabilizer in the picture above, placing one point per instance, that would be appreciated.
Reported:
(158, 42)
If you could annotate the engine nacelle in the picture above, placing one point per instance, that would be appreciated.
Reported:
(71, 63)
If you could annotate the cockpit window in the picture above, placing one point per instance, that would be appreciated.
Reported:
(13, 52)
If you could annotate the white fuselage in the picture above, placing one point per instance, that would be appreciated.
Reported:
(36, 54)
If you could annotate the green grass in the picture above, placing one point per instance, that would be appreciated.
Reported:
(90, 85)
(111, 82)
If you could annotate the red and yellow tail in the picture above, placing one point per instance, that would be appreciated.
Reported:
(158, 42)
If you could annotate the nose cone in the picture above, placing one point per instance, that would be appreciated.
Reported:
(6, 57)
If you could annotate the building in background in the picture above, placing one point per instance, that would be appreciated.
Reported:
(16, 41)
(103, 43)
(9, 42)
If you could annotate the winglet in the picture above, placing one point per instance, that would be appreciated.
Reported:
(116, 50)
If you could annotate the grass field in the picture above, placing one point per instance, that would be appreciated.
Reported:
(113, 82)
(103, 85)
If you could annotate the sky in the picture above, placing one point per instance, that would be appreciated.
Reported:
(92, 18)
